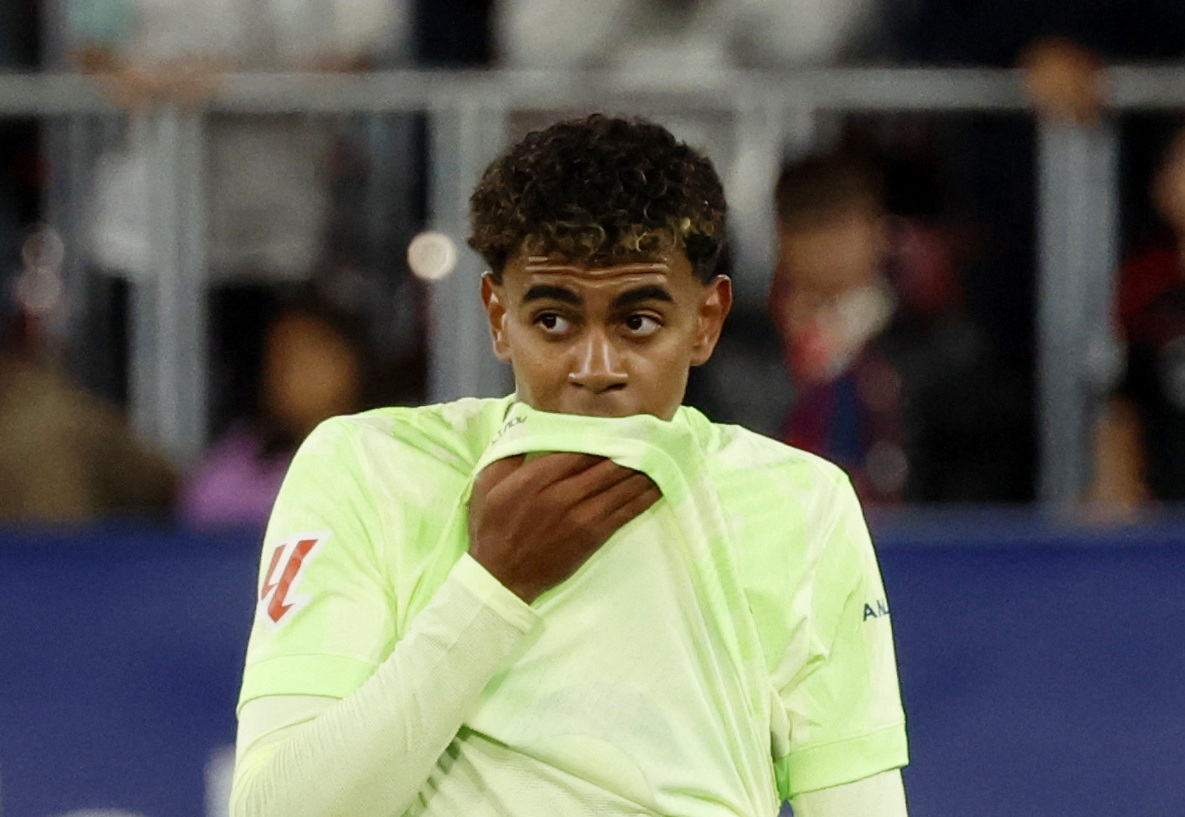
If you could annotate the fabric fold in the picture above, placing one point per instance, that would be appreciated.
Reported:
(647, 657)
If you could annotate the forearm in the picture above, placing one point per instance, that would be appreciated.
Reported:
(585, 29)
(1119, 457)
(882, 795)
(372, 751)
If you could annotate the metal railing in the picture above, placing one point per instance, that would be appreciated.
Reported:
(469, 115)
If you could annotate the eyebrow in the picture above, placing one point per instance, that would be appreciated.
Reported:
(546, 291)
(651, 292)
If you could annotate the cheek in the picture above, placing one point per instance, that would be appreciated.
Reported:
(663, 360)
(538, 366)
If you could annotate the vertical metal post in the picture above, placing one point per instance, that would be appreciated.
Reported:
(759, 128)
(1078, 238)
(63, 203)
(168, 338)
(463, 139)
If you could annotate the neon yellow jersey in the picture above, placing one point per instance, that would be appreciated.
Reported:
(728, 649)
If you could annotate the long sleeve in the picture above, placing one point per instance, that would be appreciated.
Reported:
(882, 795)
(372, 751)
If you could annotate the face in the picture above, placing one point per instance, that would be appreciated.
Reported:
(1168, 186)
(833, 255)
(310, 374)
(605, 341)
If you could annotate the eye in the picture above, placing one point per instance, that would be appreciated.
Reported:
(642, 326)
(553, 324)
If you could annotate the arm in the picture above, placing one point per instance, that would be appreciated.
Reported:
(363, 729)
(536, 34)
(803, 32)
(367, 33)
(882, 795)
(141, 56)
(371, 751)
(1118, 487)
(837, 678)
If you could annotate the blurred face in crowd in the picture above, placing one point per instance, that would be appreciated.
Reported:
(1168, 185)
(311, 373)
(604, 341)
(833, 251)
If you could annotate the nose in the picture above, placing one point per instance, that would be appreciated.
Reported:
(599, 367)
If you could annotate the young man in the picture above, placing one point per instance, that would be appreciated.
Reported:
(892, 382)
(582, 598)
(1140, 436)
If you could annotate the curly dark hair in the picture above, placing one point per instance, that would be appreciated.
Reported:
(598, 191)
(821, 185)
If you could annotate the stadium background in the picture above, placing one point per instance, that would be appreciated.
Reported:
(1041, 666)
(1041, 653)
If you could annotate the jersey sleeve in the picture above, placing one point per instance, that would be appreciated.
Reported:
(323, 618)
(841, 718)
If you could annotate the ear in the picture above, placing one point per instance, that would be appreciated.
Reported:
(493, 296)
(714, 305)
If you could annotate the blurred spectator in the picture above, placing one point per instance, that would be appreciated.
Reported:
(1065, 81)
(1064, 47)
(999, 32)
(266, 175)
(685, 42)
(315, 366)
(892, 383)
(676, 35)
(1140, 444)
(280, 202)
(65, 455)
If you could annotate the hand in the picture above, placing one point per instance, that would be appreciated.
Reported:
(1065, 82)
(190, 81)
(533, 524)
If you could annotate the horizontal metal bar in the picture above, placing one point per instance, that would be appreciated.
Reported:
(49, 95)
(931, 89)
(1146, 88)
(865, 89)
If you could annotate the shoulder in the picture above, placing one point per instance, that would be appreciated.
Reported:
(384, 476)
(452, 434)
(753, 471)
(733, 447)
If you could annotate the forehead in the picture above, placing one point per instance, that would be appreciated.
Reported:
(672, 267)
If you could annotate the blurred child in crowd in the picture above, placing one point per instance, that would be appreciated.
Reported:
(66, 457)
(1140, 442)
(314, 366)
(891, 382)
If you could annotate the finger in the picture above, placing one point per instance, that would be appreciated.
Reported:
(539, 474)
(557, 465)
(599, 477)
(586, 485)
(596, 509)
(495, 473)
(633, 507)
(532, 476)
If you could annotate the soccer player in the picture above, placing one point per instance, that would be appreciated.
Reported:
(582, 598)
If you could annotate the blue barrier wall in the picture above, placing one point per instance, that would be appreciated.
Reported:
(120, 655)
(1043, 668)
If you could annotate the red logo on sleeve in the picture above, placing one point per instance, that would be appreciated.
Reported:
(278, 582)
